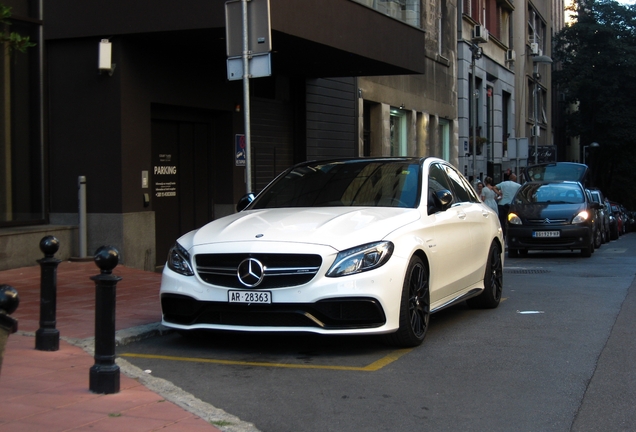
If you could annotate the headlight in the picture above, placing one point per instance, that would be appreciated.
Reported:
(179, 260)
(581, 217)
(361, 258)
(514, 219)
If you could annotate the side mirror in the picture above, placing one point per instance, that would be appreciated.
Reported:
(440, 201)
(445, 198)
(244, 201)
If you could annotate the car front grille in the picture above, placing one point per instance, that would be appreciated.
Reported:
(548, 222)
(280, 270)
(333, 314)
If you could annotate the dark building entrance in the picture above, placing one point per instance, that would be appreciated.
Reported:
(182, 173)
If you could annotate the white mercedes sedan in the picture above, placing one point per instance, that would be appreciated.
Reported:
(353, 246)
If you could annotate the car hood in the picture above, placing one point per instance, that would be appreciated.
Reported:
(550, 211)
(338, 227)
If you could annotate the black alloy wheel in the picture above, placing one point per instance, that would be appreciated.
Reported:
(493, 282)
(415, 306)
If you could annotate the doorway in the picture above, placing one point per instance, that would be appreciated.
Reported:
(182, 173)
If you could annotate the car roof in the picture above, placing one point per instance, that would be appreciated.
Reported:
(557, 171)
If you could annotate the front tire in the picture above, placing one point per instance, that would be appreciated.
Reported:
(598, 239)
(493, 282)
(415, 306)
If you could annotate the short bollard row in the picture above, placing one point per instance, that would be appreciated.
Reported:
(9, 301)
(104, 374)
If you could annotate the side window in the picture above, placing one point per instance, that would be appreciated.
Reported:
(437, 179)
(462, 194)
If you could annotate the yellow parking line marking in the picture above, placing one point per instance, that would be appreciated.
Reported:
(375, 366)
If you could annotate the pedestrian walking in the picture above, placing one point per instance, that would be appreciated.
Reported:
(490, 194)
(508, 190)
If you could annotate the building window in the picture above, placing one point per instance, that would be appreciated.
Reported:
(536, 29)
(444, 138)
(398, 133)
(505, 121)
(21, 187)
(542, 101)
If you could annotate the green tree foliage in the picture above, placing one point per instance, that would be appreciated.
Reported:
(595, 60)
(15, 41)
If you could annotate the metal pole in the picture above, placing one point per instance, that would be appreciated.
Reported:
(246, 100)
(535, 138)
(474, 102)
(81, 183)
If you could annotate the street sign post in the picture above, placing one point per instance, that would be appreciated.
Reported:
(248, 44)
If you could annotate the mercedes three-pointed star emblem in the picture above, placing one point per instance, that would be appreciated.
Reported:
(250, 272)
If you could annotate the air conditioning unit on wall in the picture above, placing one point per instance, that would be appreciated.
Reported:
(534, 48)
(480, 34)
(510, 55)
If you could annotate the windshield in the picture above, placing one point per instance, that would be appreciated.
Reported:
(539, 193)
(390, 183)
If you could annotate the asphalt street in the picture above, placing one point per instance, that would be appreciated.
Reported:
(557, 355)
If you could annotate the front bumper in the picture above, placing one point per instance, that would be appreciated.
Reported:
(363, 303)
(570, 237)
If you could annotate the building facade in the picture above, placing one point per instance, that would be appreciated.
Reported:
(533, 77)
(158, 136)
(487, 99)
(415, 115)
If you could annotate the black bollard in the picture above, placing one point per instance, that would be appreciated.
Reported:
(47, 337)
(104, 374)
(9, 301)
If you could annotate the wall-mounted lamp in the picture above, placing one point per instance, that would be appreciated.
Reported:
(402, 106)
(105, 57)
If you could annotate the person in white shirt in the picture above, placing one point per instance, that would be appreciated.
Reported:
(508, 190)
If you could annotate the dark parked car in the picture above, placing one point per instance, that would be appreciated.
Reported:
(613, 221)
(551, 215)
(620, 219)
(602, 215)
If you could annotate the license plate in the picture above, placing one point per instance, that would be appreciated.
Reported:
(546, 234)
(249, 296)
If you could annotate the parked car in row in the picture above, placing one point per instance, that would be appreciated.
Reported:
(624, 220)
(360, 246)
(611, 219)
(615, 223)
(603, 221)
(551, 215)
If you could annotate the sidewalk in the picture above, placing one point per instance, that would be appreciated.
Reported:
(49, 390)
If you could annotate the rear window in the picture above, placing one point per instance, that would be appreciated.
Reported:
(565, 171)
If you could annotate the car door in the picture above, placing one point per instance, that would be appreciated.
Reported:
(477, 220)
(451, 244)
